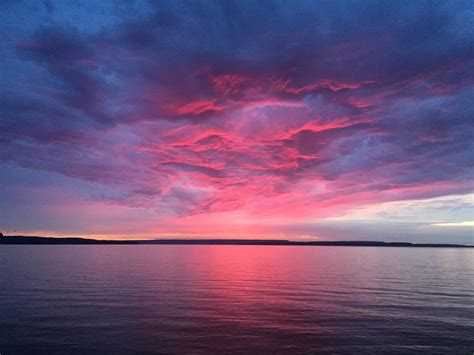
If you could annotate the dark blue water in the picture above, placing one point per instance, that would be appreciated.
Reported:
(228, 299)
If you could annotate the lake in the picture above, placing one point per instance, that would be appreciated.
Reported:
(234, 299)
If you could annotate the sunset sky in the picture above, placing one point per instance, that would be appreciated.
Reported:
(328, 120)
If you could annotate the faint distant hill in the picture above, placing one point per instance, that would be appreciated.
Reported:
(20, 239)
(35, 240)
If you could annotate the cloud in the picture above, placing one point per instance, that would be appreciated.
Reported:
(186, 109)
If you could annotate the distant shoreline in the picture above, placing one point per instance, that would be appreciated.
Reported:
(34, 240)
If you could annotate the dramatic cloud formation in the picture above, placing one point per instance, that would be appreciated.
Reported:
(237, 118)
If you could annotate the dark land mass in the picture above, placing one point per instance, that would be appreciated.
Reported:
(81, 241)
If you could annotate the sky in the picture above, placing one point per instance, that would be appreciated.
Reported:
(301, 120)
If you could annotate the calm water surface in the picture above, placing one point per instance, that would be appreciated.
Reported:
(228, 299)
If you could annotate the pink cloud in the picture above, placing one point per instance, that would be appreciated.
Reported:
(198, 107)
(228, 84)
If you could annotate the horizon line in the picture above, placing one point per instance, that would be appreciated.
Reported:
(22, 239)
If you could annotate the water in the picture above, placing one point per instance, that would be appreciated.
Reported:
(228, 299)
